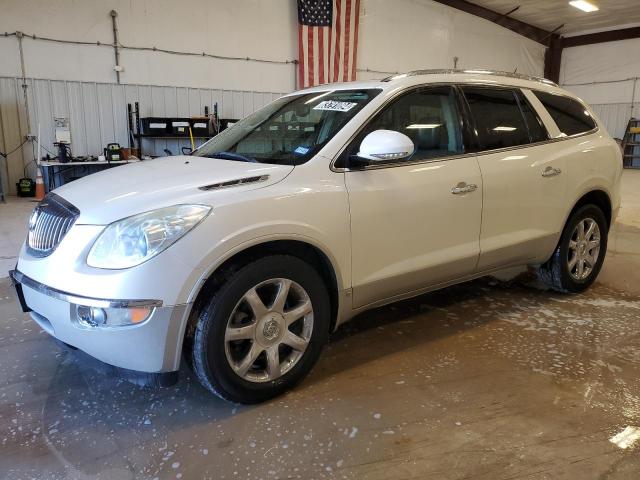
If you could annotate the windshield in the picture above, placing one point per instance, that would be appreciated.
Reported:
(290, 130)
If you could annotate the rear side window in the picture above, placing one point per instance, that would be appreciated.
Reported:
(498, 117)
(570, 115)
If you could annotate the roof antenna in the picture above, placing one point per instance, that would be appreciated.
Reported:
(455, 63)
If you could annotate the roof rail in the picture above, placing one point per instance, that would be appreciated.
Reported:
(443, 71)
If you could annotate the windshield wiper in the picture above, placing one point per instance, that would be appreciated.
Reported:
(232, 156)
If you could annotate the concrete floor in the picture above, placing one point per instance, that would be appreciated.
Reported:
(14, 215)
(485, 380)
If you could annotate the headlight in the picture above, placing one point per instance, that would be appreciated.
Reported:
(133, 240)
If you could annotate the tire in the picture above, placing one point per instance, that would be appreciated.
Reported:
(219, 359)
(557, 273)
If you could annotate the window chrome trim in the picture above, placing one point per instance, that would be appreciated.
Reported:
(335, 169)
(19, 277)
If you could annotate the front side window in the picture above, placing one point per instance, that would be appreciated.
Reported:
(571, 117)
(498, 118)
(428, 116)
(290, 130)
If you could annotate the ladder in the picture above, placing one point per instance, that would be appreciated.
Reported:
(631, 144)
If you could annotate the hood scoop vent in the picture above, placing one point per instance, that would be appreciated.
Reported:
(235, 182)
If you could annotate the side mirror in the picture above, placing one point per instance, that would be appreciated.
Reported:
(187, 150)
(384, 145)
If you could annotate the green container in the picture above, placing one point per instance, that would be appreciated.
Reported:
(26, 187)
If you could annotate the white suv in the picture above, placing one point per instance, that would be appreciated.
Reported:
(245, 255)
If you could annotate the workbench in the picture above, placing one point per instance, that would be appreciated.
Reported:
(53, 172)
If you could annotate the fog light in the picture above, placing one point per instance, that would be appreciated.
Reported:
(111, 317)
(91, 316)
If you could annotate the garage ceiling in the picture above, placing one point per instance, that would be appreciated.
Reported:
(549, 14)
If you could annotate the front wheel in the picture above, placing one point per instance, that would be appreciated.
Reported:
(578, 258)
(262, 330)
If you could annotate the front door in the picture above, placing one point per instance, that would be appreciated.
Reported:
(415, 222)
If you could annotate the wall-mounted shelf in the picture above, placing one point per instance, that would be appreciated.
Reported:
(169, 137)
(135, 137)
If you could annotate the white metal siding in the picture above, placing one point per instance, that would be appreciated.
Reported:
(615, 116)
(98, 115)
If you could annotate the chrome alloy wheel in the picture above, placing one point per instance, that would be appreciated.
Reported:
(269, 330)
(584, 249)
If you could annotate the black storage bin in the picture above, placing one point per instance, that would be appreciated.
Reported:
(180, 127)
(155, 126)
(200, 127)
(227, 122)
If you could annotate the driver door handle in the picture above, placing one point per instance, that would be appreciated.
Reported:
(551, 172)
(463, 187)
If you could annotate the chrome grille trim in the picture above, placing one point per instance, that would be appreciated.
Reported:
(49, 223)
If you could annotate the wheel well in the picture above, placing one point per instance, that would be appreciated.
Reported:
(598, 198)
(304, 251)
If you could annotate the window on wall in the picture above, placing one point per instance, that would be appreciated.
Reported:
(498, 118)
(570, 116)
(428, 116)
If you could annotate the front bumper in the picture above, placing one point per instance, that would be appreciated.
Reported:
(151, 346)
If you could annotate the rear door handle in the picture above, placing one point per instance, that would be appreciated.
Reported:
(551, 172)
(463, 187)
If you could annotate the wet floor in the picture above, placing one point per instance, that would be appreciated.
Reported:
(485, 380)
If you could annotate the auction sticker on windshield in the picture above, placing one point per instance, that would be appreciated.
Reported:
(335, 106)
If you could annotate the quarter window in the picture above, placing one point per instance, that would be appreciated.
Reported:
(428, 116)
(570, 116)
(498, 118)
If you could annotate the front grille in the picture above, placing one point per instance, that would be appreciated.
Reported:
(49, 223)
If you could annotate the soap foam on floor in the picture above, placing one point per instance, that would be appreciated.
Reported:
(626, 438)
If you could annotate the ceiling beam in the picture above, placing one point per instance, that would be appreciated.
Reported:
(601, 37)
(553, 60)
(526, 30)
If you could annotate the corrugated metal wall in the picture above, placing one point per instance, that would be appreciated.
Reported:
(98, 115)
(615, 116)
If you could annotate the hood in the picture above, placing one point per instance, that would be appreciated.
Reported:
(126, 190)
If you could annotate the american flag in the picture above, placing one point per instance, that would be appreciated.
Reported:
(327, 41)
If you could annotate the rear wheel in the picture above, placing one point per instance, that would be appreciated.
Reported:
(578, 258)
(262, 330)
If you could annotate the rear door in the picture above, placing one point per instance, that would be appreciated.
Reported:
(523, 185)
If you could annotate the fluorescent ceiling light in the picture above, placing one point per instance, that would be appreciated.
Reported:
(584, 6)
(424, 125)
(504, 129)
